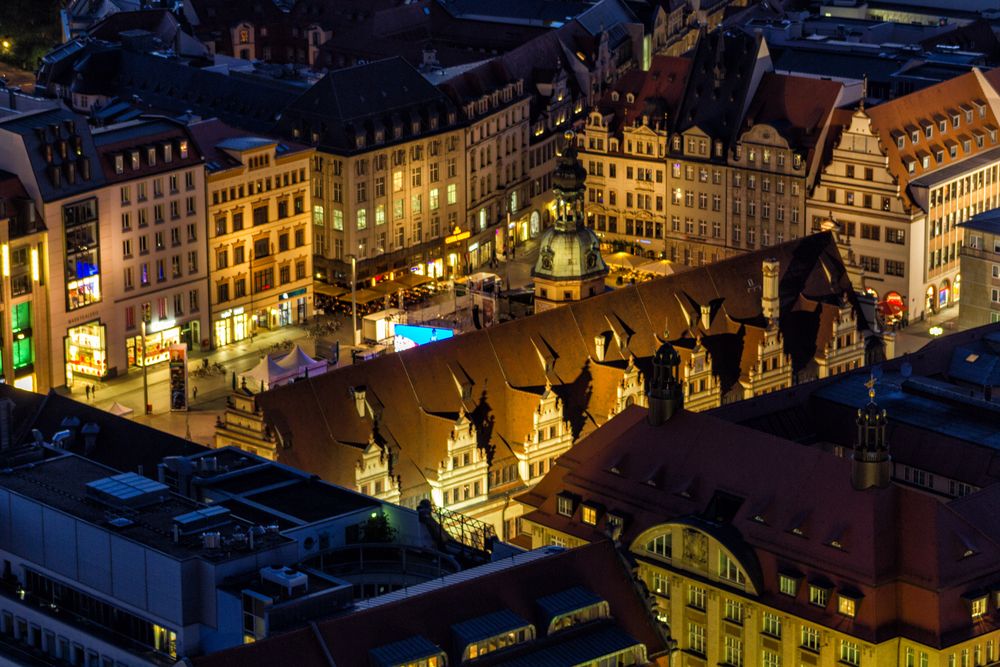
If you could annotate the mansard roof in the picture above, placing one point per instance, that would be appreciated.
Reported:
(796, 510)
(492, 373)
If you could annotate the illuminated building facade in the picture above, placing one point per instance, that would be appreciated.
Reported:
(124, 208)
(259, 231)
(901, 177)
(24, 300)
(388, 174)
(673, 173)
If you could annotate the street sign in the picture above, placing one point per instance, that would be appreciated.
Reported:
(178, 378)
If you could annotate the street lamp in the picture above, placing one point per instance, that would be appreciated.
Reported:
(145, 370)
(356, 338)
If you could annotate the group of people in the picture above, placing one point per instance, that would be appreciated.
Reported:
(91, 391)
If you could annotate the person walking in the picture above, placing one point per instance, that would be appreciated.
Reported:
(87, 389)
(194, 393)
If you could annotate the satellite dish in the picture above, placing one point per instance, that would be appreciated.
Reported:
(906, 369)
(877, 372)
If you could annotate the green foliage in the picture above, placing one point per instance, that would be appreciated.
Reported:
(31, 27)
(377, 529)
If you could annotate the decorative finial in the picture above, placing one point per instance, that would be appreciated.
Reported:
(870, 383)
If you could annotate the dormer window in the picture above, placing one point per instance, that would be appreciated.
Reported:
(151, 156)
(956, 120)
(135, 160)
(119, 164)
(184, 149)
(629, 98)
(914, 137)
(589, 514)
(168, 153)
(978, 604)
(847, 605)
(565, 504)
(929, 131)
(901, 142)
(819, 595)
(730, 570)
(943, 126)
(788, 584)
(359, 141)
(397, 131)
(614, 95)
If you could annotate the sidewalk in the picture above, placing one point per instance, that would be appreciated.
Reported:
(917, 334)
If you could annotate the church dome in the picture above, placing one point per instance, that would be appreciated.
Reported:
(568, 253)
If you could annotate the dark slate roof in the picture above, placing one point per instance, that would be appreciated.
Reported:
(566, 601)
(160, 22)
(605, 15)
(358, 99)
(122, 444)
(38, 129)
(718, 84)
(547, 12)
(987, 221)
(489, 625)
(403, 651)
(978, 362)
(172, 86)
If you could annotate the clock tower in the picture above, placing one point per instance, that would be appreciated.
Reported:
(569, 266)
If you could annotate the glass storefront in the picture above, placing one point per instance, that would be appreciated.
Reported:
(86, 350)
(232, 326)
(157, 347)
(83, 264)
(23, 350)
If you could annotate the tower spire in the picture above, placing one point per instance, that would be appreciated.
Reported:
(665, 395)
(871, 463)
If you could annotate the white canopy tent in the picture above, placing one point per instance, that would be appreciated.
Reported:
(120, 410)
(276, 370)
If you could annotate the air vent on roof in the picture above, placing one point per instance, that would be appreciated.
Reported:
(126, 490)
(200, 520)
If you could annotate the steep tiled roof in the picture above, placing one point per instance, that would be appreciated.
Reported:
(434, 615)
(797, 107)
(502, 365)
(656, 92)
(897, 120)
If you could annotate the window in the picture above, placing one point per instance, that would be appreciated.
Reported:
(771, 625)
(897, 236)
(733, 653)
(810, 638)
(850, 652)
(733, 611)
(871, 232)
(729, 570)
(818, 595)
(564, 505)
(661, 545)
(696, 637)
(696, 597)
(846, 605)
(788, 585)
(770, 659)
(589, 515)
(979, 607)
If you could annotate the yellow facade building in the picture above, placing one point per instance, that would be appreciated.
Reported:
(259, 232)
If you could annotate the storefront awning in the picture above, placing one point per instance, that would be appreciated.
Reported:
(362, 296)
(411, 280)
(388, 287)
(329, 290)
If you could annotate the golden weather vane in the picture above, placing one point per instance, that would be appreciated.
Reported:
(870, 383)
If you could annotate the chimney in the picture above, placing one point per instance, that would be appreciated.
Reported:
(706, 317)
(665, 395)
(871, 465)
(769, 303)
(599, 345)
(6, 424)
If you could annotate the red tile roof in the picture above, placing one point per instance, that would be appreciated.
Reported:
(910, 553)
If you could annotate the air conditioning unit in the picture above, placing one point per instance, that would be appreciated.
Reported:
(287, 578)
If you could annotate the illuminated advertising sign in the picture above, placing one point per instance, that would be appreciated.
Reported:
(412, 335)
(178, 378)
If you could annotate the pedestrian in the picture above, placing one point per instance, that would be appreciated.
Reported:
(87, 389)
(93, 391)
(194, 393)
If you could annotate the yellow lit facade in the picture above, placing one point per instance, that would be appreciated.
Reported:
(260, 238)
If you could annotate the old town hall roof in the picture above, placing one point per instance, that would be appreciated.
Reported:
(497, 375)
